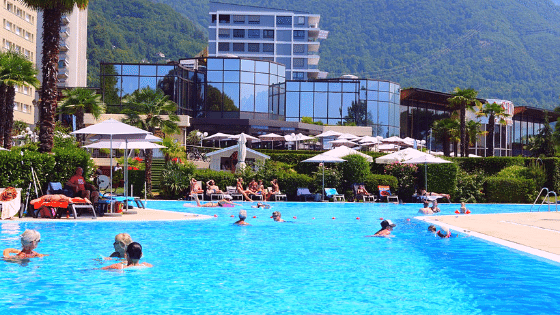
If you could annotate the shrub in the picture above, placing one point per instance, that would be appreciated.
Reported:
(405, 173)
(272, 169)
(333, 179)
(137, 178)
(469, 187)
(354, 170)
(222, 179)
(489, 165)
(442, 178)
(510, 190)
(373, 180)
(290, 182)
(175, 179)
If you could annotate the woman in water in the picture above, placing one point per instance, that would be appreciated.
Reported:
(29, 241)
(133, 255)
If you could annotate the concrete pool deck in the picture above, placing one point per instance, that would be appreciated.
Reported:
(537, 233)
(135, 214)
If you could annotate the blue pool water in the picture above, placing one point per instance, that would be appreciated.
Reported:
(312, 265)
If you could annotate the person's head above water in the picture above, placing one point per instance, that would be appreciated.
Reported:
(122, 240)
(426, 204)
(30, 238)
(432, 228)
(243, 214)
(385, 224)
(134, 251)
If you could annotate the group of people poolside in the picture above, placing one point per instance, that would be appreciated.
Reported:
(128, 252)
(253, 188)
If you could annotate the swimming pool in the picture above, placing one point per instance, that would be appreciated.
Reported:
(312, 265)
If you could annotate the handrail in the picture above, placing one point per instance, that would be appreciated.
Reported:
(547, 198)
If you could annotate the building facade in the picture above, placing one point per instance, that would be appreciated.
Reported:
(19, 33)
(72, 59)
(291, 38)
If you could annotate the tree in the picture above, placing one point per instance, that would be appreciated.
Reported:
(445, 132)
(52, 14)
(492, 111)
(543, 143)
(473, 131)
(79, 101)
(461, 101)
(358, 114)
(144, 109)
(15, 70)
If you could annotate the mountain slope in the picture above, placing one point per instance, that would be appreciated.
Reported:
(505, 49)
(136, 31)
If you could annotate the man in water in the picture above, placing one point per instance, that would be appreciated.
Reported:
(277, 216)
(133, 255)
(386, 228)
(426, 209)
(242, 217)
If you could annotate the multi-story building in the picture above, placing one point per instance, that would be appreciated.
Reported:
(72, 64)
(291, 38)
(19, 33)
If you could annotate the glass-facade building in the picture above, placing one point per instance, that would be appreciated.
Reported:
(362, 102)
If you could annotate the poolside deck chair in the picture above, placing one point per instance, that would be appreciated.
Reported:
(279, 196)
(54, 188)
(232, 191)
(256, 197)
(74, 204)
(386, 195)
(214, 196)
(303, 193)
(10, 207)
(365, 198)
(331, 193)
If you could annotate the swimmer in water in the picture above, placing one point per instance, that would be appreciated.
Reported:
(29, 241)
(133, 255)
(277, 216)
(242, 217)
(122, 240)
(221, 203)
(386, 228)
(261, 205)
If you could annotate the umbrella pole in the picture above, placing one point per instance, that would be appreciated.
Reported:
(323, 191)
(426, 175)
(111, 172)
(126, 174)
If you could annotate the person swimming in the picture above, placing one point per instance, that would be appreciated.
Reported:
(133, 255)
(242, 217)
(386, 228)
(463, 209)
(226, 202)
(426, 209)
(277, 216)
(122, 240)
(29, 241)
(261, 205)
(443, 232)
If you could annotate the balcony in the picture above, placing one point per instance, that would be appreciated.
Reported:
(65, 20)
(62, 74)
(64, 47)
(313, 60)
(64, 33)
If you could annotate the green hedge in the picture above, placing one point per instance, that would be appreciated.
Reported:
(442, 178)
(290, 182)
(552, 170)
(137, 178)
(510, 190)
(489, 165)
(222, 179)
(373, 180)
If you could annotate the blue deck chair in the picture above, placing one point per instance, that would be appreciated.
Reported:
(304, 193)
(332, 193)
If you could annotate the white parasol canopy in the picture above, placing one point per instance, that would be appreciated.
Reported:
(426, 159)
(329, 133)
(400, 156)
(394, 140)
(348, 136)
(324, 158)
(124, 145)
(272, 137)
(218, 136)
(339, 142)
(248, 138)
(343, 151)
(112, 128)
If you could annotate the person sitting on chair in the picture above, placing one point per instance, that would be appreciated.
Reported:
(275, 189)
(245, 193)
(81, 188)
(212, 188)
(362, 191)
(195, 187)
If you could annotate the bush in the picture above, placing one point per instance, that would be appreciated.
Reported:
(354, 170)
(290, 182)
(373, 180)
(469, 187)
(442, 178)
(175, 179)
(405, 173)
(333, 179)
(489, 165)
(534, 173)
(222, 179)
(272, 169)
(137, 178)
(552, 171)
(510, 190)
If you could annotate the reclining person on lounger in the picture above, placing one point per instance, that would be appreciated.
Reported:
(81, 188)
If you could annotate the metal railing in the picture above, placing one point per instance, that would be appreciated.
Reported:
(546, 198)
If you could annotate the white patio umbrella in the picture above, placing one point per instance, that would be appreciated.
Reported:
(339, 142)
(112, 128)
(399, 156)
(272, 137)
(242, 152)
(394, 140)
(248, 138)
(348, 136)
(426, 159)
(369, 139)
(329, 133)
(324, 158)
(219, 137)
(343, 151)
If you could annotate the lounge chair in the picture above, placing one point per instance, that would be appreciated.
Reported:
(304, 193)
(279, 196)
(73, 204)
(10, 207)
(215, 196)
(365, 198)
(232, 191)
(386, 195)
(331, 193)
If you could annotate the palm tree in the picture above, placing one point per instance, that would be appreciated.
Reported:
(473, 131)
(492, 111)
(144, 108)
(15, 70)
(78, 101)
(52, 14)
(445, 132)
(463, 100)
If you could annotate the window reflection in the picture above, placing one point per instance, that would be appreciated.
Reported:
(306, 105)
(214, 97)
(247, 97)
(130, 69)
(215, 64)
(334, 105)
(292, 104)
(383, 113)
(247, 65)
(231, 64)
(165, 70)
(261, 98)
(129, 85)
(320, 105)
(148, 82)
(247, 77)
(231, 97)
(148, 70)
